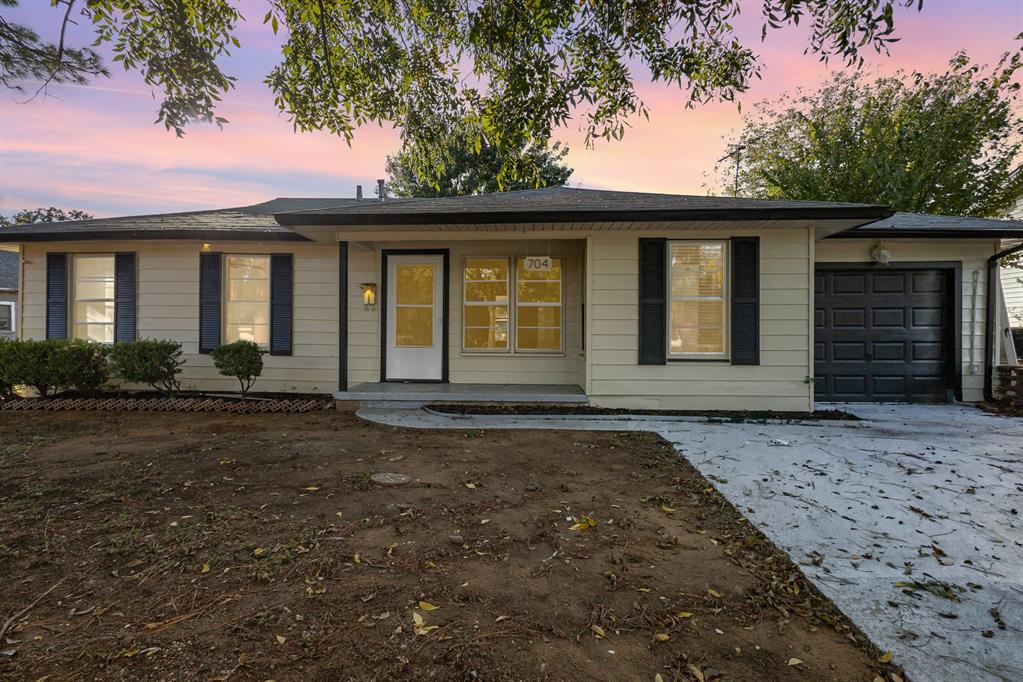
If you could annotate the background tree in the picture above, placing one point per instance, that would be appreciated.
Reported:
(43, 215)
(925, 143)
(465, 169)
(516, 70)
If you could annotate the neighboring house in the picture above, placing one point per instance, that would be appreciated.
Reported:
(624, 299)
(8, 294)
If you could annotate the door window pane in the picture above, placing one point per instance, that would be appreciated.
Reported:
(247, 299)
(538, 307)
(414, 285)
(697, 315)
(485, 304)
(92, 312)
(413, 327)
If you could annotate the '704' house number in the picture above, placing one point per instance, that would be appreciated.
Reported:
(538, 263)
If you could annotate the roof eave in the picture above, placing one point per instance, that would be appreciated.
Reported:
(11, 236)
(868, 213)
(866, 233)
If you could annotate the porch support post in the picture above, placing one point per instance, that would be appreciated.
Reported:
(342, 316)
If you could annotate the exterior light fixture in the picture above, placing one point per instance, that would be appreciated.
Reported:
(881, 254)
(205, 248)
(369, 295)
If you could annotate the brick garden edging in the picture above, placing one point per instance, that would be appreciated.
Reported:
(251, 406)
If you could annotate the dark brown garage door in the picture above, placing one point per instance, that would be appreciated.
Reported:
(883, 334)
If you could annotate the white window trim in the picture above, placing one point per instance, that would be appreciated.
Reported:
(225, 286)
(725, 298)
(513, 306)
(74, 324)
(14, 317)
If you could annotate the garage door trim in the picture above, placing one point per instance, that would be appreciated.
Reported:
(955, 269)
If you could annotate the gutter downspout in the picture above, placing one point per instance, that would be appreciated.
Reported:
(989, 320)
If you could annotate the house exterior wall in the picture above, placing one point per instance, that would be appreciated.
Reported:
(779, 382)
(972, 254)
(470, 367)
(1012, 290)
(168, 307)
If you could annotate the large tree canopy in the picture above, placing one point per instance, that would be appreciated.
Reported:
(43, 215)
(463, 168)
(927, 143)
(512, 70)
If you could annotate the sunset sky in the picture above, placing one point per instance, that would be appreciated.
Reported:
(96, 148)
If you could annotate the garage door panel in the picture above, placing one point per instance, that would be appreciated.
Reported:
(882, 335)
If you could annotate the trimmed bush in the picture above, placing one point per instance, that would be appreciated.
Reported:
(156, 363)
(242, 360)
(53, 365)
(81, 366)
(7, 362)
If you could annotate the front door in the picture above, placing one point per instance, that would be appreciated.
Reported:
(414, 343)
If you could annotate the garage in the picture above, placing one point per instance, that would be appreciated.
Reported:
(884, 333)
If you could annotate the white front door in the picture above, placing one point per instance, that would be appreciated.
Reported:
(415, 317)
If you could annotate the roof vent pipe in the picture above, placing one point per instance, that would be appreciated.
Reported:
(358, 191)
(381, 189)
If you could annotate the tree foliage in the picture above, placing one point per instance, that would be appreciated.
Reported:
(511, 71)
(43, 215)
(463, 169)
(926, 143)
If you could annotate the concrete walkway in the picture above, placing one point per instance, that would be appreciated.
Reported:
(909, 521)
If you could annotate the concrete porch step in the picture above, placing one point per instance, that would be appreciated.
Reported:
(464, 393)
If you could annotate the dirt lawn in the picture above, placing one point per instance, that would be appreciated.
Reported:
(255, 547)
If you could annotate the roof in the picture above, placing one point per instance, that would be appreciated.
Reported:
(923, 225)
(254, 222)
(9, 270)
(568, 204)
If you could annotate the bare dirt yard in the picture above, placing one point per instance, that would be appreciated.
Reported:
(182, 546)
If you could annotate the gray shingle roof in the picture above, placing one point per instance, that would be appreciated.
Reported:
(8, 271)
(254, 222)
(563, 204)
(923, 225)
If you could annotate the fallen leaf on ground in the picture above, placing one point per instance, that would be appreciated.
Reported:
(281, 639)
(683, 614)
(794, 661)
(582, 523)
(662, 637)
(427, 606)
(311, 488)
(205, 568)
(886, 657)
(714, 593)
(598, 631)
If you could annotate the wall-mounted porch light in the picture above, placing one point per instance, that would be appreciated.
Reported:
(205, 248)
(881, 254)
(369, 295)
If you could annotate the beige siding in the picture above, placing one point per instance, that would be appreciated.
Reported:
(780, 382)
(468, 367)
(1012, 288)
(972, 254)
(168, 308)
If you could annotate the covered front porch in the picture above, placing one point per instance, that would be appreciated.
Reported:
(455, 393)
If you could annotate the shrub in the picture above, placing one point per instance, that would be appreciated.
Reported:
(7, 383)
(52, 365)
(80, 365)
(156, 363)
(242, 360)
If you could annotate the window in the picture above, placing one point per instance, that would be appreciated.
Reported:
(6, 317)
(485, 304)
(697, 317)
(247, 309)
(93, 311)
(538, 307)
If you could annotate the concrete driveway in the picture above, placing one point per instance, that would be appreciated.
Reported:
(909, 521)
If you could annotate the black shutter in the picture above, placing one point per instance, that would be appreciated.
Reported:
(653, 286)
(745, 300)
(124, 297)
(210, 286)
(56, 295)
(281, 303)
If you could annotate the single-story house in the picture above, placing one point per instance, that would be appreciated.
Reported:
(621, 299)
(8, 294)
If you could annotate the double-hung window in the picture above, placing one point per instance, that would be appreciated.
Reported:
(497, 308)
(247, 299)
(485, 314)
(698, 311)
(92, 314)
(6, 317)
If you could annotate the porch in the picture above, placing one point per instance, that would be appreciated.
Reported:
(487, 393)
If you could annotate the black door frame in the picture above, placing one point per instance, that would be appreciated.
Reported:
(384, 253)
(954, 271)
